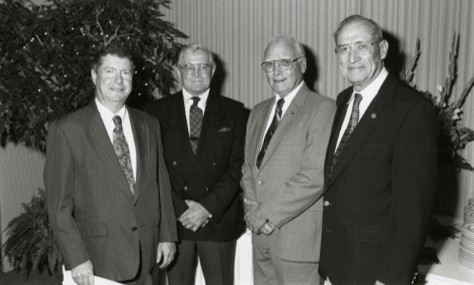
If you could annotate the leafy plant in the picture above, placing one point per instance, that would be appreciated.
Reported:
(31, 244)
(46, 53)
(453, 135)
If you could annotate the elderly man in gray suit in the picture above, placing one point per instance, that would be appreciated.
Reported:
(285, 146)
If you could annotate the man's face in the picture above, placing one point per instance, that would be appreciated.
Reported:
(113, 80)
(282, 81)
(360, 67)
(196, 71)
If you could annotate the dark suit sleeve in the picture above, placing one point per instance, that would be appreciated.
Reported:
(415, 168)
(59, 183)
(168, 230)
(228, 187)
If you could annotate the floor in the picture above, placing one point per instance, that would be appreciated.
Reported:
(35, 278)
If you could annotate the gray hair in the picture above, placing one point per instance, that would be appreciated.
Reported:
(193, 48)
(289, 39)
(375, 30)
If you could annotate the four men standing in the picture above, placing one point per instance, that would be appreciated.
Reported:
(109, 191)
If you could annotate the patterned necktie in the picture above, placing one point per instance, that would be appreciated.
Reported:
(354, 119)
(195, 123)
(271, 131)
(123, 152)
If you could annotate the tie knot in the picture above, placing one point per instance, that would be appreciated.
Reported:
(280, 103)
(117, 121)
(357, 98)
(196, 100)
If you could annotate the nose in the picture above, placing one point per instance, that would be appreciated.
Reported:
(277, 69)
(119, 78)
(353, 55)
(196, 71)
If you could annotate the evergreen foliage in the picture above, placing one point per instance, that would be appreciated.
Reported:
(46, 53)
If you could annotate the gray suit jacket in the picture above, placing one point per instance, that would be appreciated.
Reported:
(290, 179)
(93, 213)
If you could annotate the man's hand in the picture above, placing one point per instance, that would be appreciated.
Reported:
(165, 253)
(195, 217)
(83, 274)
(254, 219)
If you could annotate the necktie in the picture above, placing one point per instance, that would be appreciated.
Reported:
(354, 119)
(195, 123)
(123, 152)
(271, 130)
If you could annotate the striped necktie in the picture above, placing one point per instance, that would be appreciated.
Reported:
(271, 130)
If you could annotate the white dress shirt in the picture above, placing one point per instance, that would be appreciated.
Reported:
(368, 94)
(107, 117)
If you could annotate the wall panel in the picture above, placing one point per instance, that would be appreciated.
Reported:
(238, 31)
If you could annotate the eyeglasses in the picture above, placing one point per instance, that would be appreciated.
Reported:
(201, 68)
(284, 64)
(359, 48)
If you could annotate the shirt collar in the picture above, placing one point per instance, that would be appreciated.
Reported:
(369, 92)
(106, 114)
(289, 98)
(203, 98)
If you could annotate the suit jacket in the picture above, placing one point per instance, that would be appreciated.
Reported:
(380, 197)
(211, 177)
(290, 179)
(92, 211)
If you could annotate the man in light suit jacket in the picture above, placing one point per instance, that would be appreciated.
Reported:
(381, 175)
(283, 170)
(205, 170)
(108, 190)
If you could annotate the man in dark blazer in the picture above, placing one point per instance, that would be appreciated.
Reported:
(283, 173)
(205, 170)
(380, 170)
(110, 205)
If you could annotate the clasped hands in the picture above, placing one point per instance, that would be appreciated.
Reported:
(195, 217)
(256, 222)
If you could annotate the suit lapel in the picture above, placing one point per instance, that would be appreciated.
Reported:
(259, 130)
(142, 139)
(100, 141)
(285, 123)
(210, 126)
(366, 126)
(338, 119)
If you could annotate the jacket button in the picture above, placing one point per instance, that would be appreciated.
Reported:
(207, 188)
(327, 203)
(134, 229)
(260, 182)
(175, 163)
(185, 188)
(213, 164)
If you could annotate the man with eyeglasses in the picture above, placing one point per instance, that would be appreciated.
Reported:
(203, 138)
(286, 143)
(380, 170)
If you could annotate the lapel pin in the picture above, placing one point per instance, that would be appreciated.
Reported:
(373, 116)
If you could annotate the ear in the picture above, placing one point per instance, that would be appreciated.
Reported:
(303, 65)
(213, 70)
(94, 76)
(383, 49)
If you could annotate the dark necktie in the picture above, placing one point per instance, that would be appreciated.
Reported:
(195, 123)
(354, 119)
(271, 130)
(123, 152)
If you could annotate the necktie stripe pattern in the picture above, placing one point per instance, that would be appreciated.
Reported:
(271, 131)
(354, 119)
(123, 152)
(195, 123)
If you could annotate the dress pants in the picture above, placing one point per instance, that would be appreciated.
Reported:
(217, 262)
(270, 269)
